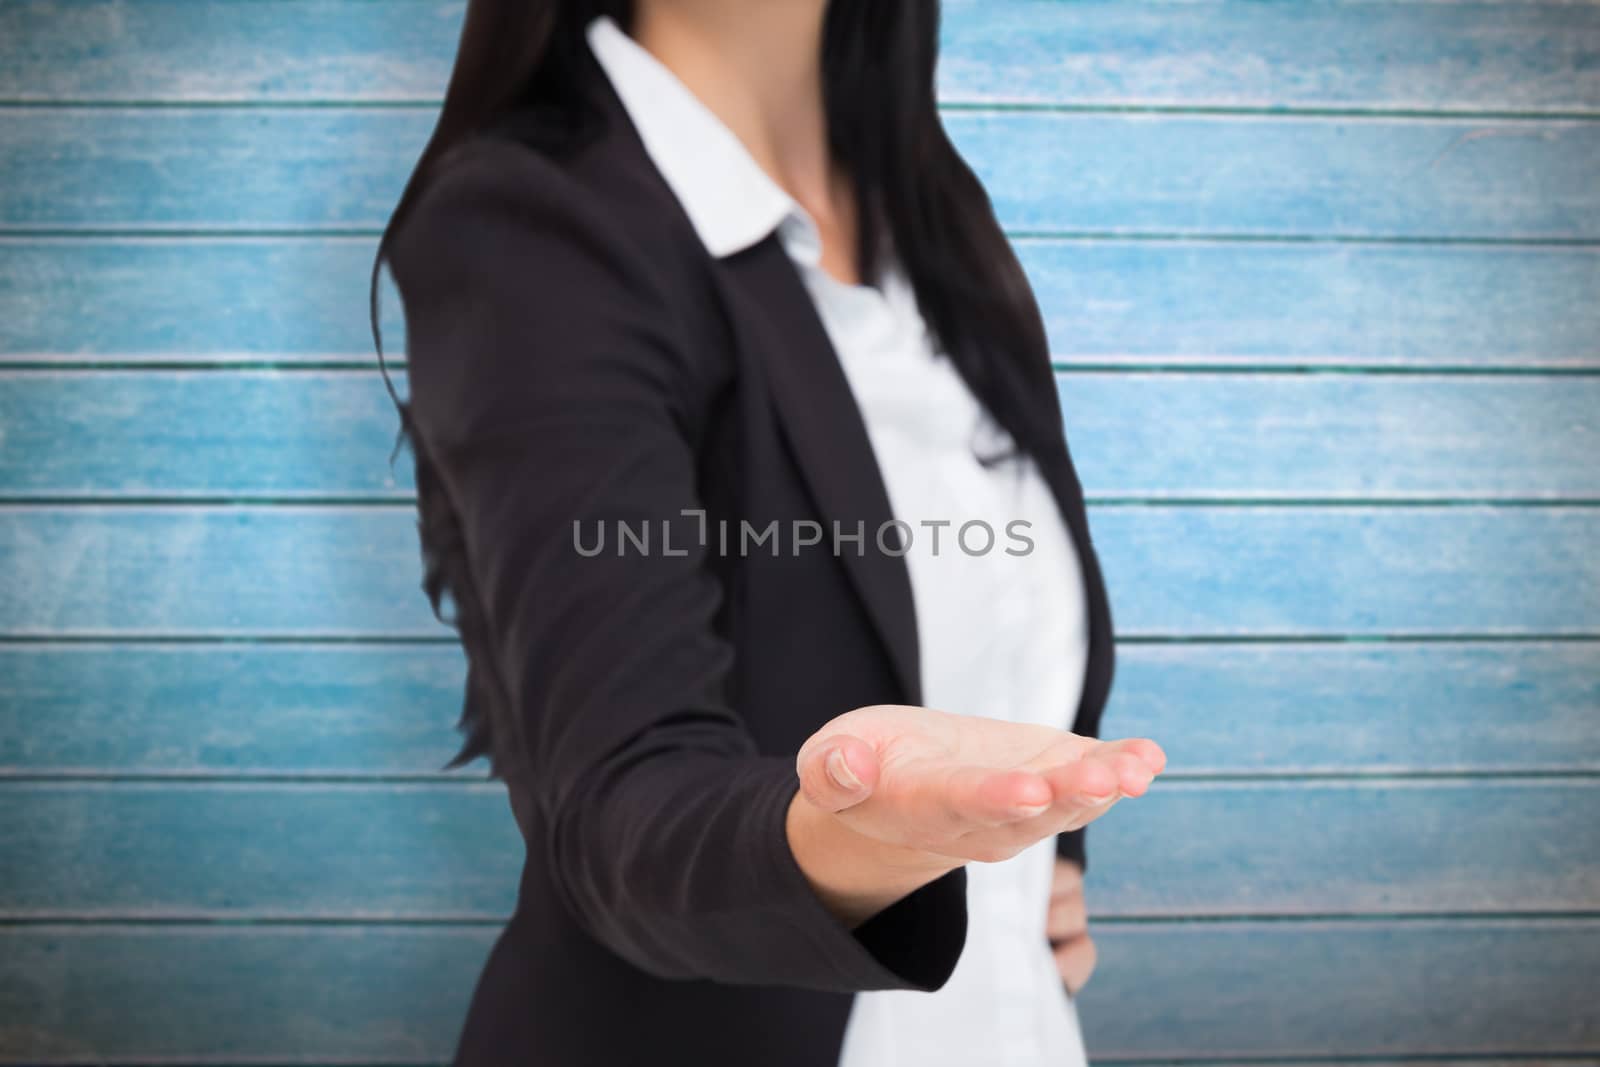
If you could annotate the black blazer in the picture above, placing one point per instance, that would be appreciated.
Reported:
(575, 354)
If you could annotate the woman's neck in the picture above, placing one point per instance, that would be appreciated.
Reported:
(758, 68)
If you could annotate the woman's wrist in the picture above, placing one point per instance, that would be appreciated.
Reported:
(856, 876)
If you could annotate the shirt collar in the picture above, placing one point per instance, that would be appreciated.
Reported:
(731, 202)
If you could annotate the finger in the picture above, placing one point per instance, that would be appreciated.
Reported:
(992, 798)
(1068, 918)
(1084, 783)
(1075, 962)
(838, 773)
(1080, 799)
(1129, 763)
(1133, 774)
(1145, 750)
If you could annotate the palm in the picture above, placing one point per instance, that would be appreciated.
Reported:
(914, 740)
(971, 787)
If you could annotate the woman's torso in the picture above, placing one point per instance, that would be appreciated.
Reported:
(1003, 633)
(805, 650)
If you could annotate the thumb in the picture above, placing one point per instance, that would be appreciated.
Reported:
(838, 772)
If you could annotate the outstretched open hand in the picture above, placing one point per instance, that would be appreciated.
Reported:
(966, 787)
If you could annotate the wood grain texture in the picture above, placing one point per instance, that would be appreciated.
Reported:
(1235, 990)
(1286, 303)
(309, 434)
(1193, 571)
(1502, 57)
(231, 710)
(282, 433)
(1378, 846)
(1361, 609)
(285, 571)
(1317, 54)
(1364, 706)
(296, 168)
(1267, 304)
(1560, 1060)
(396, 995)
(1307, 436)
(1272, 176)
(1218, 571)
(221, 849)
(221, 996)
(362, 711)
(168, 850)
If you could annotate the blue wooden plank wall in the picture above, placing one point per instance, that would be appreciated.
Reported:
(1323, 283)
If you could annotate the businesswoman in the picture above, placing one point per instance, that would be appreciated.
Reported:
(741, 473)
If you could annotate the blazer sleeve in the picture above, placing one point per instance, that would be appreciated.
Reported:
(551, 390)
(1071, 845)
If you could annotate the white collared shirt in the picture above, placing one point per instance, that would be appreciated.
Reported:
(1000, 634)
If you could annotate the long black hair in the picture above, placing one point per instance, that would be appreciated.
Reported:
(911, 186)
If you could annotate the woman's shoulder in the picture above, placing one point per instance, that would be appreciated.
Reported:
(495, 193)
(516, 266)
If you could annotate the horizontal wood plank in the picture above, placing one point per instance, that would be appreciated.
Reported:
(1510, 1060)
(1397, 178)
(166, 433)
(1189, 571)
(1349, 436)
(1368, 851)
(1287, 303)
(1229, 990)
(1398, 846)
(113, 850)
(1319, 54)
(1219, 571)
(231, 709)
(380, 710)
(244, 850)
(250, 169)
(1371, 707)
(1313, 1060)
(1123, 301)
(276, 571)
(312, 434)
(219, 995)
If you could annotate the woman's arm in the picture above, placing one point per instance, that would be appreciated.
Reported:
(551, 386)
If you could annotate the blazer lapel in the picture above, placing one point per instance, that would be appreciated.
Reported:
(773, 316)
(1056, 467)
(1036, 386)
